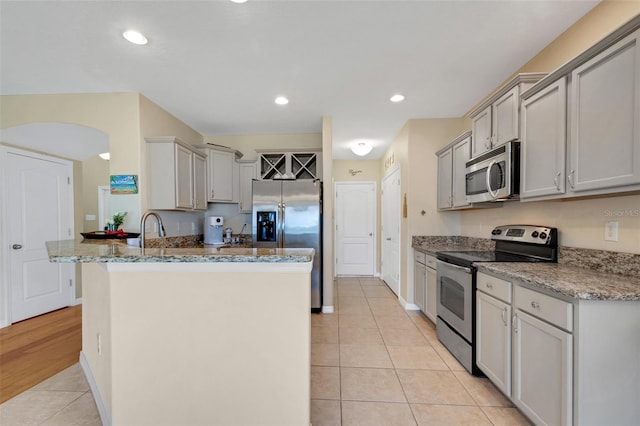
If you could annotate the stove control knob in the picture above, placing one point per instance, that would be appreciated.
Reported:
(543, 236)
(534, 234)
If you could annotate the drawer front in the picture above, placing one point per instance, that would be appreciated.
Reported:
(419, 256)
(431, 261)
(555, 311)
(496, 287)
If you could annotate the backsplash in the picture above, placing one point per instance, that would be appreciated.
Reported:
(597, 260)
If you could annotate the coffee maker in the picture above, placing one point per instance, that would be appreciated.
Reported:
(213, 230)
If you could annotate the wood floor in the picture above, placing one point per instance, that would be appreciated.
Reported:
(35, 349)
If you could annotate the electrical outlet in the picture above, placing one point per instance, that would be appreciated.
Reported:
(611, 231)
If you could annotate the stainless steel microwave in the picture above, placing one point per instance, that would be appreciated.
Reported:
(494, 175)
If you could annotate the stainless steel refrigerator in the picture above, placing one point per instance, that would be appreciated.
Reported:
(288, 214)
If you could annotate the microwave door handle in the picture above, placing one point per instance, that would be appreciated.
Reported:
(494, 195)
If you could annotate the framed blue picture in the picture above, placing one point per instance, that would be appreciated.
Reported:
(123, 184)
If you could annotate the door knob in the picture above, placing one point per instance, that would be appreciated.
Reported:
(371, 234)
(16, 246)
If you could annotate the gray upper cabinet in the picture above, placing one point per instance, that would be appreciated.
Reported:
(544, 131)
(581, 124)
(451, 173)
(497, 120)
(604, 150)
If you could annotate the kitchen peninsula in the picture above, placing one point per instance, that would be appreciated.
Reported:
(194, 335)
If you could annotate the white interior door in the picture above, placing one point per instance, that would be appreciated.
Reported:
(391, 230)
(355, 228)
(39, 195)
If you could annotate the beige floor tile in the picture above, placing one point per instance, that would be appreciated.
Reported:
(324, 320)
(19, 410)
(353, 301)
(433, 387)
(416, 358)
(427, 328)
(449, 415)
(394, 321)
(376, 413)
(357, 321)
(365, 336)
(325, 383)
(483, 392)
(390, 309)
(403, 337)
(348, 280)
(81, 412)
(373, 356)
(324, 335)
(501, 416)
(327, 354)
(446, 356)
(371, 281)
(350, 291)
(370, 384)
(355, 309)
(71, 379)
(325, 412)
(378, 291)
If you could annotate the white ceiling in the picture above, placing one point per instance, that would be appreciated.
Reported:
(218, 65)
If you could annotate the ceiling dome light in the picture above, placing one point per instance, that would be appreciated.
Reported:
(134, 37)
(105, 156)
(397, 98)
(361, 148)
(281, 100)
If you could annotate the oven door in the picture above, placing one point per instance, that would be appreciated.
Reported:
(454, 295)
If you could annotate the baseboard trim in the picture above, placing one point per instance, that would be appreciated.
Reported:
(77, 302)
(327, 309)
(408, 306)
(105, 416)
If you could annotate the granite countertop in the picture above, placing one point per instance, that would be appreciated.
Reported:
(580, 274)
(115, 251)
(568, 280)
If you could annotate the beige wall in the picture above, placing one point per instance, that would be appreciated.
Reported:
(580, 221)
(95, 173)
(328, 218)
(248, 144)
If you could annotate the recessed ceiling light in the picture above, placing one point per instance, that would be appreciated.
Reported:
(397, 98)
(105, 156)
(281, 100)
(239, 1)
(134, 37)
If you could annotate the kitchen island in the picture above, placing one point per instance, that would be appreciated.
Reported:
(194, 335)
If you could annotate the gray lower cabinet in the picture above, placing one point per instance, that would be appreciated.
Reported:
(431, 288)
(420, 281)
(560, 360)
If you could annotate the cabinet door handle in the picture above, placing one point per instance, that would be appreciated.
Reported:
(503, 315)
(513, 323)
(556, 181)
(490, 286)
(535, 305)
(570, 178)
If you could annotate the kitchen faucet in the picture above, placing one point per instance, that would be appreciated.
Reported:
(161, 231)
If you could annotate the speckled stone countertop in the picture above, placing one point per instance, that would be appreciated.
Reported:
(580, 273)
(114, 251)
(569, 280)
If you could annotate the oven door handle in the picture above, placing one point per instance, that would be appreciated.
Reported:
(447, 264)
(494, 195)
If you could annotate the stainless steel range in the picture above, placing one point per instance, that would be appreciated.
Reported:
(456, 289)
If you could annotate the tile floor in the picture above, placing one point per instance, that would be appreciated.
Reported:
(372, 363)
(62, 400)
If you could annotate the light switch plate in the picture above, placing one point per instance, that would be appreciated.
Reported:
(90, 217)
(611, 231)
